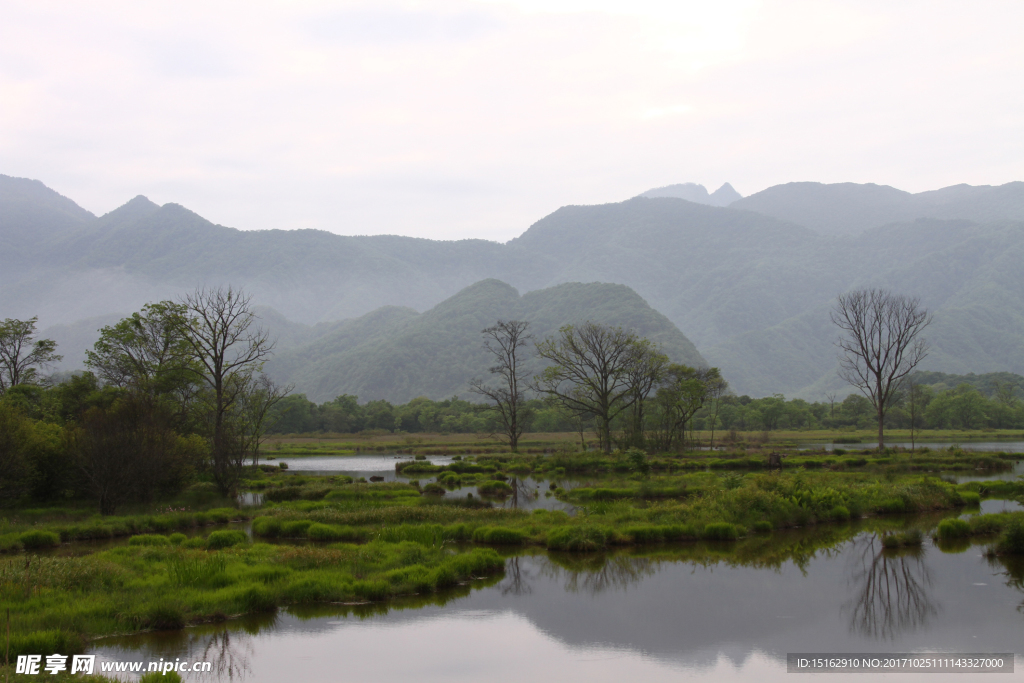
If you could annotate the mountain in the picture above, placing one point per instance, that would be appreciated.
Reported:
(849, 208)
(752, 290)
(692, 192)
(396, 354)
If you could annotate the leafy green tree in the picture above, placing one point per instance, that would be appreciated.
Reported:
(21, 354)
(16, 467)
(130, 450)
(683, 393)
(146, 351)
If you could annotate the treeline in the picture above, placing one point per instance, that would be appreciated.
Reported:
(962, 407)
(173, 393)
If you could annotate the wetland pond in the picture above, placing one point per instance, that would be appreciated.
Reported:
(702, 611)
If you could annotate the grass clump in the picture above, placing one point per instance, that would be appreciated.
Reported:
(196, 570)
(37, 539)
(1011, 542)
(953, 528)
(970, 498)
(578, 538)
(45, 642)
(903, 539)
(499, 536)
(334, 534)
(226, 539)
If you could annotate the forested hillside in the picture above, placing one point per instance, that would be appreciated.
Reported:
(397, 355)
(749, 284)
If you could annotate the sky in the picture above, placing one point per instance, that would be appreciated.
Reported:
(456, 119)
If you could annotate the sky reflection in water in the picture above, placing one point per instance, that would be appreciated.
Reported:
(700, 612)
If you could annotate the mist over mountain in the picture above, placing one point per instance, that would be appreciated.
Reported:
(750, 284)
(397, 354)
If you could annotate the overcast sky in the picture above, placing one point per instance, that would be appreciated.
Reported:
(476, 118)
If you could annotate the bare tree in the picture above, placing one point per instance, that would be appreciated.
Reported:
(589, 372)
(228, 350)
(255, 401)
(21, 354)
(831, 396)
(506, 341)
(880, 343)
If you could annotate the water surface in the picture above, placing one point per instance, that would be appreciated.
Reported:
(702, 612)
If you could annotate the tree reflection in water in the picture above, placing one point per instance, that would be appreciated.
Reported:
(519, 488)
(891, 595)
(229, 655)
(516, 578)
(594, 574)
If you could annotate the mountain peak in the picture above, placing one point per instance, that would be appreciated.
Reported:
(725, 195)
(696, 193)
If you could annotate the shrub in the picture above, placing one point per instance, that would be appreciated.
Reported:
(38, 538)
(225, 539)
(953, 528)
(762, 527)
(149, 539)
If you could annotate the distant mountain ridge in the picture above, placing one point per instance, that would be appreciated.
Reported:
(692, 192)
(750, 289)
(850, 209)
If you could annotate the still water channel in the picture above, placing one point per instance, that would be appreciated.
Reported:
(695, 612)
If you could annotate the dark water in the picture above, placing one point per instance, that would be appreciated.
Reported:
(530, 493)
(698, 612)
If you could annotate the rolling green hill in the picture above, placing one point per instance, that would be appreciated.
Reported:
(396, 354)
